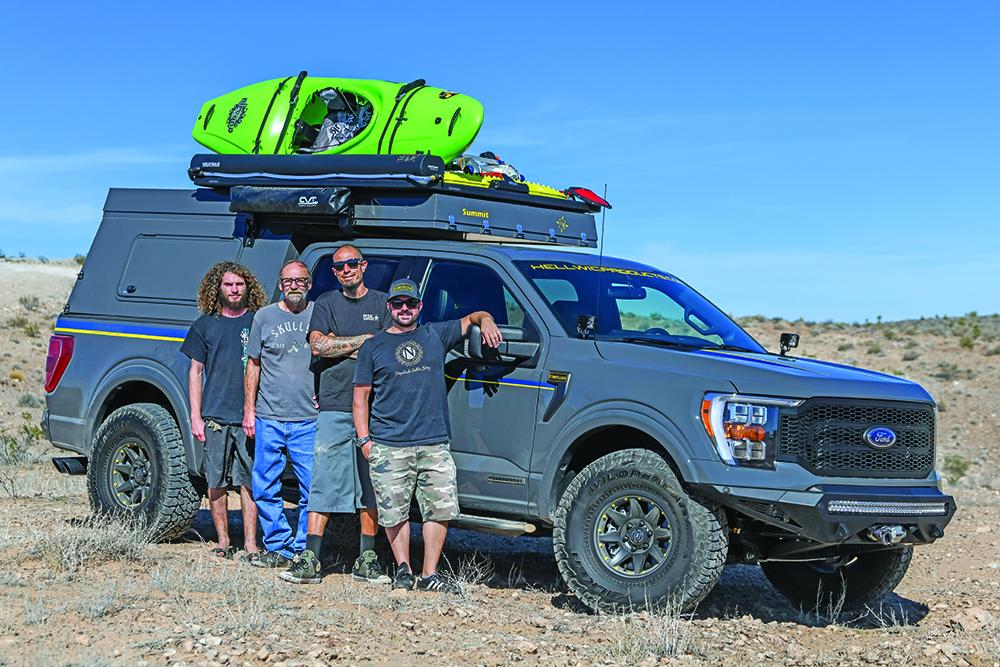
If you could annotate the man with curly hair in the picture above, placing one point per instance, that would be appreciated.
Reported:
(228, 297)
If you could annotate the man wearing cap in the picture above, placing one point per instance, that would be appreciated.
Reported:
(405, 431)
(342, 320)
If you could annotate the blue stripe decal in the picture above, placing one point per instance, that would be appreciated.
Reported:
(766, 362)
(526, 384)
(124, 330)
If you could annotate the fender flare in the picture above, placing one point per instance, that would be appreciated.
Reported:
(153, 373)
(612, 413)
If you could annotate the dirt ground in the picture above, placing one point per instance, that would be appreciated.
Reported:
(73, 593)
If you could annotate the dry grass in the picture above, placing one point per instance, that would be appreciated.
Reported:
(71, 546)
(659, 632)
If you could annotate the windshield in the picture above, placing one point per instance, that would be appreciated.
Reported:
(634, 303)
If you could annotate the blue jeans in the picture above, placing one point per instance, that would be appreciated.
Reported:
(274, 438)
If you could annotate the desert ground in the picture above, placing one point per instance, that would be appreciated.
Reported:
(75, 592)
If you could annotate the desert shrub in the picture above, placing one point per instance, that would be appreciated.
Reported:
(29, 302)
(873, 347)
(910, 356)
(17, 322)
(29, 400)
(910, 344)
(79, 259)
(992, 352)
(949, 372)
(966, 341)
(43, 260)
(657, 633)
(32, 331)
(843, 347)
(889, 334)
(955, 467)
(67, 547)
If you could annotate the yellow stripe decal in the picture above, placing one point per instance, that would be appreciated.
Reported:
(118, 334)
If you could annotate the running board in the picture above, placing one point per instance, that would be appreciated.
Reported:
(71, 465)
(486, 524)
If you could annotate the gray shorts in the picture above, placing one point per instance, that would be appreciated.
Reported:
(228, 455)
(338, 485)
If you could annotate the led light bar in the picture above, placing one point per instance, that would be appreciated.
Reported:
(901, 508)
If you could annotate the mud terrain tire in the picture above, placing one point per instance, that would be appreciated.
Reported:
(855, 583)
(138, 471)
(627, 536)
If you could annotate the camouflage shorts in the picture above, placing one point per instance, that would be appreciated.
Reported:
(399, 471)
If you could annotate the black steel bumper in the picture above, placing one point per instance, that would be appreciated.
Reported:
(839, 514)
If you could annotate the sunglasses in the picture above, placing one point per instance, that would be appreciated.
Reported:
(299, 282)
(350, 263)
(412, 304)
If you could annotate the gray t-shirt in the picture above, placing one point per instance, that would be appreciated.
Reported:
(279, 339)
(334, 313)
(406, 374)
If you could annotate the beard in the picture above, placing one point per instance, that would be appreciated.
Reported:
(295, 296)
(223, 301)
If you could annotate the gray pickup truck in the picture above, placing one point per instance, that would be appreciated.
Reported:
(624, 415)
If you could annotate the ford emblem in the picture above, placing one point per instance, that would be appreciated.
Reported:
(880, 437)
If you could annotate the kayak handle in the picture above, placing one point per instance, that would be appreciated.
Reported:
(208, 117)
(408, 87)
(451, 125)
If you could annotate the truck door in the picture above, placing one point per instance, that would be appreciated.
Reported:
(492, 406)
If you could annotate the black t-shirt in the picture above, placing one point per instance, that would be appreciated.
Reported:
(406, 373)
(336, 314)
(221, 345)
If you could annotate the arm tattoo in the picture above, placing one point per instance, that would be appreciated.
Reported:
(333, 346)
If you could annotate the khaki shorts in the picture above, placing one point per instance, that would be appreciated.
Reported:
(398, 472)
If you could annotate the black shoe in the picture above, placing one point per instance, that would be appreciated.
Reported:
(271, 559)
(305, 571)
(404, 578)
(432, 583)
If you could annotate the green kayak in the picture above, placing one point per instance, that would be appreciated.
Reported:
(328, 116)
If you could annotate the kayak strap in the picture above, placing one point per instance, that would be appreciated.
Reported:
(413, 85)
(292, 101)
(263, 123)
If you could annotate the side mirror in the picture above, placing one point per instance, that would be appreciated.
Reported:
(514, 347)
(788, 341)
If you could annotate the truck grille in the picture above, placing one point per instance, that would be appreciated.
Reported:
(827, 438)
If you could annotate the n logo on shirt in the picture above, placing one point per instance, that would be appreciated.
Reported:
(409, 353)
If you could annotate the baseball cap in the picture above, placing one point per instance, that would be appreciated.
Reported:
(403, 287)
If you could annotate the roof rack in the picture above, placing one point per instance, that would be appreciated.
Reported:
(392, 193)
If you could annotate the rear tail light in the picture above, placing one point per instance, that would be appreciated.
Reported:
(60, 352)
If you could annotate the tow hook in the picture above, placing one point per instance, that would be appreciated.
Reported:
(887, 534)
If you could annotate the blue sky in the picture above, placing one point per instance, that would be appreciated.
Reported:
(817, 160)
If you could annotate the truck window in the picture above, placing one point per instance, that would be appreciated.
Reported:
(456, 289)
(171, 267)
(378, 275)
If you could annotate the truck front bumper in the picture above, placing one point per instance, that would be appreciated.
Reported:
(842, 514)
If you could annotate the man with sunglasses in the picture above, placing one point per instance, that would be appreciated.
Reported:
(405, 431)
(341, 321)
(279, 410)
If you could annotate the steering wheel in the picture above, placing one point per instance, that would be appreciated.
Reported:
(657, 330)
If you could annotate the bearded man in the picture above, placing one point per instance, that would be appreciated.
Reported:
(228, 297)
(280, 412)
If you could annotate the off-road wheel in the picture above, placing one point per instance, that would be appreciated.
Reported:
(627, 536)
(848, 583)
(138, 471)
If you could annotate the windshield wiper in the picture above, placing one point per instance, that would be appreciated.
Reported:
(736, 348)
(659, 342)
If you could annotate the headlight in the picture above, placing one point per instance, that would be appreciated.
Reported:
(744, 428)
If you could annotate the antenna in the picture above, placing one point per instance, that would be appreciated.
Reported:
(588, 325)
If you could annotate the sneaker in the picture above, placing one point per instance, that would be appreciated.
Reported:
(366, 568)
(404, 578)
(305, 571)
(432, 583)
(271, 559)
